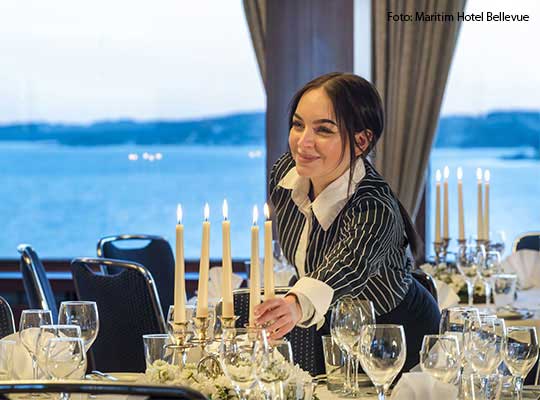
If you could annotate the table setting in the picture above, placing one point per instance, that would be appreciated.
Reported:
(479, 352)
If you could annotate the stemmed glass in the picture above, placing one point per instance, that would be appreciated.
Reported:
(470, 259)
(440, 357)
(483, 351)
(491, 266)
(29, 325)
(347, 318)
(85, 315)
(520, 352)
(382, 351)
(48, 332)
(240, 353)
(66, 358)
(274, 366)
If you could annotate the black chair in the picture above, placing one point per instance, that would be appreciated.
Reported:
(156, 256)
(305, 342)
(527, 241)
(427, 281)
(128, 307)
(150, 392)
(36, 284)
(7, 324)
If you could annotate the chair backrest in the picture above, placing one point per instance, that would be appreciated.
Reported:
(7, 324)
(36, 284)
(305, 342)
(128, 308)
(527, 241)
(427, 281)
(117, 389)
(156, 256)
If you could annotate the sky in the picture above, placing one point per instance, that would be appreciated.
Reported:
(81, 61)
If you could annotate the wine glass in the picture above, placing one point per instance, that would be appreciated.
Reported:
(274, 367)
(520, 352)
(65, 359)
(347, 318)
(382, 351)
(29, 325)
(240, 353)
(440, 357)
(47, 332)
(85, 315)
(470, 259)
(498, 241)
(491, 266)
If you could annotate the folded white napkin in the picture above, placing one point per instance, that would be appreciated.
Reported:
(526, 265)
(22, 362)
(214, 285)
(447, 297)
(421, 386)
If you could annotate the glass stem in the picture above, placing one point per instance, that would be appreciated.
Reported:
(470, 292)
(348, 381)
(34, 369)
(488, 293)
(380, 392)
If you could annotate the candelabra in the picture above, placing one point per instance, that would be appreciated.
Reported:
(209, 363)
(441, 250)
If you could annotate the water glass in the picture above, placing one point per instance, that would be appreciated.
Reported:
(85, 315)
(440, 357)
(6, 359)
(29, 325)
(66, 359)
(334, 361)
(456, 321)
(382, 350)
(241, 358)
(482, 346)
(47, 332)
(504, 289)
(276, 359)
(520, 352)
(156, 348)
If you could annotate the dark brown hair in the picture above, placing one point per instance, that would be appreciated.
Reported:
(357, 107)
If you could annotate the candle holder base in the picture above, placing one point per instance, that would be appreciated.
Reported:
(181, 335)
(440, 250)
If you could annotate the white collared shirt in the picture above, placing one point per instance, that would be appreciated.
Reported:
(313, 295)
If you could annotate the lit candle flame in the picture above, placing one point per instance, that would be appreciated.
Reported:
(266, 211)
(460, 173)
(225, 209)
(487, 175)
(255, 214)
(479, 174)
(179, 213)
(438, 175)
(206, 212)
(446, 172)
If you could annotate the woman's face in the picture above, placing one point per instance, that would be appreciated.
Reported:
(315, 140)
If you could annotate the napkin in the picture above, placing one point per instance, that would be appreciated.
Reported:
(421, 386)
(214, 285)
(526, 265)
(22, 362)
(447, 297)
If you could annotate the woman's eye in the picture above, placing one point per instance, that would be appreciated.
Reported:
(323, 129)
(296, 124)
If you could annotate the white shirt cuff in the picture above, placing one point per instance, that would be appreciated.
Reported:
(314, 297)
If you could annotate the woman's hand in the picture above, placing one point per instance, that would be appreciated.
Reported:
(279, 315)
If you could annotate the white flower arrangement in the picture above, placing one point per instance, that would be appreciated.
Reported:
(453, 278)
(220, 388)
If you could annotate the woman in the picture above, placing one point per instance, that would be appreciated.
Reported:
(338, 221)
